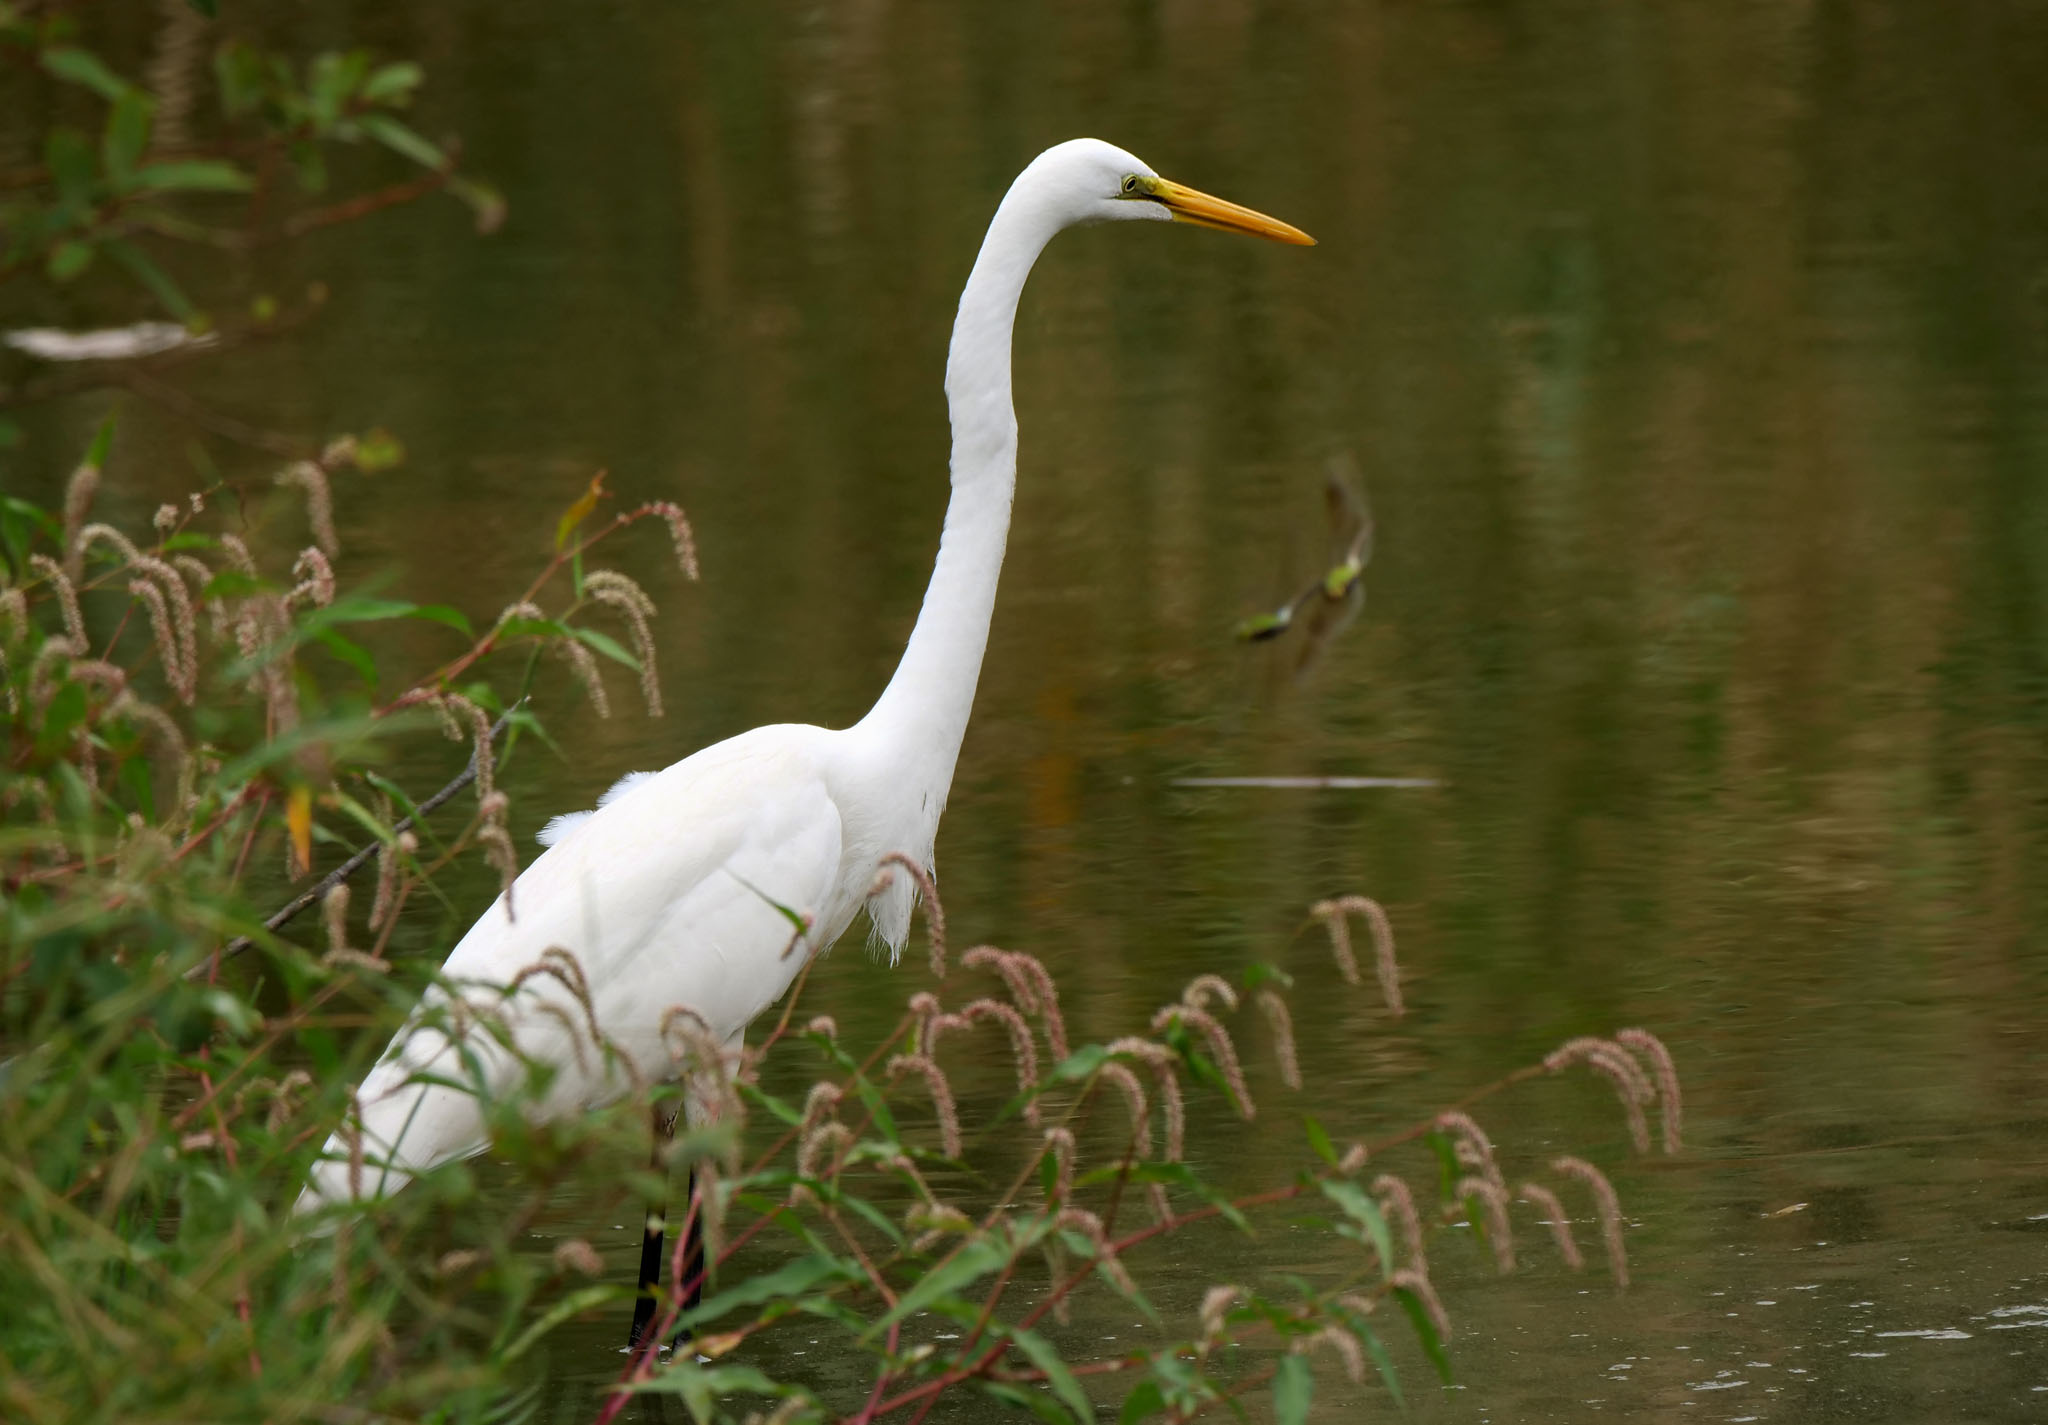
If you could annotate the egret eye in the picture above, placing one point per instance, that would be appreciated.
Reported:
(1130, 183)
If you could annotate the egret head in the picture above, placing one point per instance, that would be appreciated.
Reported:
(1089, 181)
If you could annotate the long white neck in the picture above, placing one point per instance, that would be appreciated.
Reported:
(922, 714)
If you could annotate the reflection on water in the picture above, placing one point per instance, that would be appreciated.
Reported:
(1695, 360)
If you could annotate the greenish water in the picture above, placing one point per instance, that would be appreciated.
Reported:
(1695, 359)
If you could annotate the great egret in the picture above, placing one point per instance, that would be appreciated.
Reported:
(668, 893)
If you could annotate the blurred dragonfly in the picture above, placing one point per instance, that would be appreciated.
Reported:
(1328, 605)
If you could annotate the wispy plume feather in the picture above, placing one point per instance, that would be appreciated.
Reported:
(934, 911)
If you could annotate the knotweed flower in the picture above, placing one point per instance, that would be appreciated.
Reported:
(1408, 1279)
(1333, 914)
(1022, 1049)
(1060, 1144)
(1216, 1303)
(1030, 986)
(308, 476)
(1165, 1066)
(577, 1255)
(1220, 1047)
(1089, 1226)
(1398, 1203)
(1282, 1025)
(1631, 1086)
(1201, 987)
(615, 590)
(1643, 1042)
(933, 1222)
(1134, 1101)
(315, 576)
(1560, 1225)
(1343, 1343)
(1468, 1133)
(680, 532)
(67, 601)
(78, 495)
(942, 1097)
(496, 840)
(1610, 1210)
(1493, 1200)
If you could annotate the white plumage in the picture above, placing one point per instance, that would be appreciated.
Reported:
(673, 891)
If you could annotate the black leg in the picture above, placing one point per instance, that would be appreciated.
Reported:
(651, 1243)
(693, 1261)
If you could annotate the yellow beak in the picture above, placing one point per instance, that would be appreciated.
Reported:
(1189, 205)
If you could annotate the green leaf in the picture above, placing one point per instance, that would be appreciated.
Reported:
(531, 628)
(238, 73)
(102, 441)
(1382, 1362)
(1361, 1208)
(332, 81)
(1319, 1140)
(65, 712)
(976, 1258)
(610, 648)
(357, 608)
(151, 276)
(701, 1386)
(1294, 1390)
(194, 175)
(68, 259)
(444, 614)
(402, 140)
(126, 136)
(1044, 1355)
(392, 84)
(353, 654)
(1449, 1169)
(10, 433)
(69, 155)
(83, 67)
(1425, 1331)
(1146, 1399)
(1080, 1064)
(790, 1280)
(378, 450)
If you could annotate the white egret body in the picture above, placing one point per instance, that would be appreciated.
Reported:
(668, 893)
